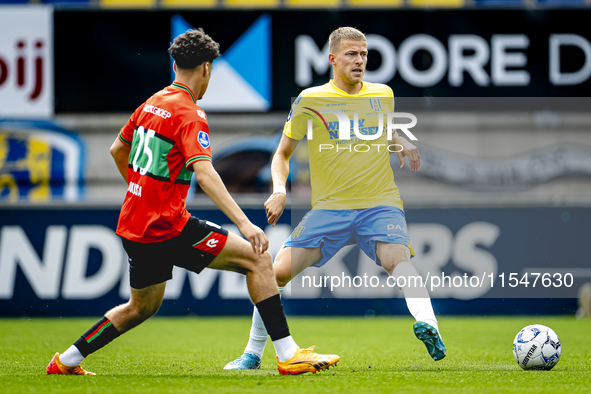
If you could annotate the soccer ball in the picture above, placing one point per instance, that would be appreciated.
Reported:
(537, 347)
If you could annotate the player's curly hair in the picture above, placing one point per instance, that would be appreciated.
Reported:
(343, 33)
(193, 48)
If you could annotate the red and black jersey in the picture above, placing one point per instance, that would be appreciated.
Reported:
(167, 134)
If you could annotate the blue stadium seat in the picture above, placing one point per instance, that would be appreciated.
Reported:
(14, 1)
(499, 3)
(561, 3)
(65, 1)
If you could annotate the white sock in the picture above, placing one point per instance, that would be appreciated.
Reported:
(417, 297)
(258, 333)
(71, 357)
(285, 348)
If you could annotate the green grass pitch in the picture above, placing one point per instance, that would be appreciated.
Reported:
(377, 355)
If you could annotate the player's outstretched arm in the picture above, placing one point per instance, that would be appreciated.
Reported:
(211, 183)
(408, 150)
(279, 171)
(120, 153)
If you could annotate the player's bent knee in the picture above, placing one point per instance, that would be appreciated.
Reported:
(263, 262)
(282, 267)
(282, 281)
(390, 263)
(251, 262)
(391, 255)
(282, 274)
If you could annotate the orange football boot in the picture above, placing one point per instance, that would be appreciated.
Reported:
(55, 367)
(305, 360)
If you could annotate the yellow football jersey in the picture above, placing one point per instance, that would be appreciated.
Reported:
(351, 173)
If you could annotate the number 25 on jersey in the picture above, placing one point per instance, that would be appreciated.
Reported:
(143, 151)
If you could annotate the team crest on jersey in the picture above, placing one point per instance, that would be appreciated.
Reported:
(201, 114)
(376, 105)
(203, 139)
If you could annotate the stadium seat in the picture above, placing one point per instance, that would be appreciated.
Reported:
(436, 3)
(561, 3)
(188, 3)
(312, 3)
(128, 3)
(251, 3)
(67, 2)
(375, 3)
(499, 3)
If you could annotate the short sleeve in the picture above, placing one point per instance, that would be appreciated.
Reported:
(126, 133)
(287, 127)
(295, 130)
(194, 144)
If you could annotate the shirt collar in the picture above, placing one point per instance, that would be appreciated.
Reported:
(341, 90)
(186, 89)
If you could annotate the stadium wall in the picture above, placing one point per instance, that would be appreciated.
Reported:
(65, 259)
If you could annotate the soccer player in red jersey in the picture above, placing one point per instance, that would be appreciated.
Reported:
(165, 140)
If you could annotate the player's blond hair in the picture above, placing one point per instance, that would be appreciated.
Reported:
(343, 33)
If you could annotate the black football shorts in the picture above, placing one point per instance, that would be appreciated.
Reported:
(194, 249)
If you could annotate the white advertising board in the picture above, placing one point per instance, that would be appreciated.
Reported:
(26, 62)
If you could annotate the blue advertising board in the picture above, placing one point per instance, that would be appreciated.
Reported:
(66, 262)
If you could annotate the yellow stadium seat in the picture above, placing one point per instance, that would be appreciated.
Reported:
(188, 3)
(436, 3)
(251, 3)
(375, 3)
(128, 3)
(313, 3)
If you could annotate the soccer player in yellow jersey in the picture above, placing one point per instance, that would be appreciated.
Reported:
(354, 196)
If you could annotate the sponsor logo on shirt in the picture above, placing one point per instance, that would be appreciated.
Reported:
(201, 113)
(203, 139)
(151, 109)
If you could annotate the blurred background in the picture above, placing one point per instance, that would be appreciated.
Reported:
(499, 87)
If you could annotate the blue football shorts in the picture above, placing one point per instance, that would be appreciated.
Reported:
(331, 229)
